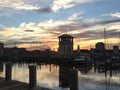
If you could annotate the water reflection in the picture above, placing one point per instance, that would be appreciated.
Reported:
(64, 75)
(57, 77)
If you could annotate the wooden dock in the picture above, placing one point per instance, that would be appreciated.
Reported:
(16, 85)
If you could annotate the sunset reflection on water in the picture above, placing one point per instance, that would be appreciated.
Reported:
(48, 76)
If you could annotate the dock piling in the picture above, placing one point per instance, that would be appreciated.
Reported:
(74, 80)
(8, 71)
(32, 76)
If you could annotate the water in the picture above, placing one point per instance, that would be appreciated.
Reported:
(49, 76)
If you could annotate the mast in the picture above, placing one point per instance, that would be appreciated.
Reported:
(15, 44)
(105, 37)
(119, 41)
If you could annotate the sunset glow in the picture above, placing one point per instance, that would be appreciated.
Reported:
(38, 23)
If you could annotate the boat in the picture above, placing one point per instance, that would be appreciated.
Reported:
(83, 60)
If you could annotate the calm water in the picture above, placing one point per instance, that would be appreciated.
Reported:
(48, 76)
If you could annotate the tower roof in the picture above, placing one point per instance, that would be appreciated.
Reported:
(65, 36)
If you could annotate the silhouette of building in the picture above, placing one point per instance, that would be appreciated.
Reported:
(100, 47)
(115, 50)
(99, 52)
(14, 53)
(65, 45)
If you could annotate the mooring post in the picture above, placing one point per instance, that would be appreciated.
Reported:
(8, 71)
(73, 79)
(111, 67)
(1, 66)
(32, 76)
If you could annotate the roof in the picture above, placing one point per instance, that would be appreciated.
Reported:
(65, 36)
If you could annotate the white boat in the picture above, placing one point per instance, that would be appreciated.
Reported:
(82, 61)
(80, 58)
(83, 58)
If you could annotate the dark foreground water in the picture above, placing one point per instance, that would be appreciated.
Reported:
(48, 76)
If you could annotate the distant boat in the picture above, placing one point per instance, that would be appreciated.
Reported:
(80, 58)
(83, 59)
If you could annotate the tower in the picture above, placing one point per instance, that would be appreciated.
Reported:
(65, 45)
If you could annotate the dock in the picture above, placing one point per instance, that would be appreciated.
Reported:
(17, 85)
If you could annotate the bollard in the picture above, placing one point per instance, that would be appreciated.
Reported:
(74, 80)
(32, 76)
(8, 71)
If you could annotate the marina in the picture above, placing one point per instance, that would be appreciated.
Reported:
(56, 77)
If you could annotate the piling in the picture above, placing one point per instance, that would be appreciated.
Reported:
(8, 71)
(1, 66)
(74, 80)
(32, 76)
(111, 69)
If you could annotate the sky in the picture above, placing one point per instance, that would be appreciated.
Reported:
(38, 23)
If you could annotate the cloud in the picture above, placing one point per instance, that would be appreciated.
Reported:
(2, 28)
(109, 21)
(84, 1)
(74, 25)
(48, 6)
(117, 15)
(96, 34)
(83, 29)
(23, 5)
(29, 30)
(58, 4)
(64, 4)
(17, 4)
(44, 10)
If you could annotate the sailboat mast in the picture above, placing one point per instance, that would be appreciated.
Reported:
(105, 37)
(119, 41)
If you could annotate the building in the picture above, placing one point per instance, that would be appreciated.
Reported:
(116, 50)
(14, 53)
(65, 45)
(99, 52)
(100, 47)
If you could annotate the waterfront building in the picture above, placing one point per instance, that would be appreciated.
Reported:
(100, 47)
(99, 52)
(65, 45)
(116, 50)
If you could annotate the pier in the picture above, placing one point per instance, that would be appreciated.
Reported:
(16, 85)
(8, 84)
